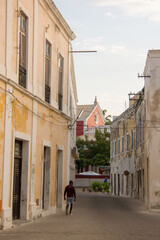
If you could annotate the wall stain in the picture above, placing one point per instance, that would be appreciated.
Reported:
(20, 117)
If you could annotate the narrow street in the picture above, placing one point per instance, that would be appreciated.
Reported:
(95, 216)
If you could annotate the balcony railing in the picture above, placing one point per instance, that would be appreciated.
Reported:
(22, 76)
(47, 93)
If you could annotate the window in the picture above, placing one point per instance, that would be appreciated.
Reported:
(132, 140)
(140, 129)
(23, 50)
(118, 146)
(127, 142)
(47, 71)
(115, 150)
(111, 149)
(96, 118)
(60, 86)
(123, 144)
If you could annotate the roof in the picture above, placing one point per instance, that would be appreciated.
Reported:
(129, 111)
(87, 109)
(90, 173)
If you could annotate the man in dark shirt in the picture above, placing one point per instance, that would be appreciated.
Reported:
(71, 196)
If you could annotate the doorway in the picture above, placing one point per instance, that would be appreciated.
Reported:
(46, 179)
(59, 187)
(118, 184)
(17, 179)
(115, 184)
(20, 179)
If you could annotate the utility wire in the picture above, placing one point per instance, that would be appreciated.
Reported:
(30, 110)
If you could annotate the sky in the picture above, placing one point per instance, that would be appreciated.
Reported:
(122, 32)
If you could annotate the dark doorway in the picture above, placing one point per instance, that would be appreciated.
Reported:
(118, 184)
(17, 179)
(59, 178)
(46, 179)
(115, 184)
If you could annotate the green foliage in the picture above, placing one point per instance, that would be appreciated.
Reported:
(100, 186)
(107, 120)
(94, 152)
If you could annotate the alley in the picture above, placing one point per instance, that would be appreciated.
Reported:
(95, 216)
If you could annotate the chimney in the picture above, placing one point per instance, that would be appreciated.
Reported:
(95, 101)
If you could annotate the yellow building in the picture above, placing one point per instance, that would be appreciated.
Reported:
(125, 158)
(35, 98)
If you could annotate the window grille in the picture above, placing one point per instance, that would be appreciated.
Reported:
(47, 71)
(122, 144)
(60, 86)
(22, 51)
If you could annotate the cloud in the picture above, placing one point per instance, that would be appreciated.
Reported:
(95, 44)
(109, 14)
(88, 43)
(117, 49)
(112, 49)
(139, 8)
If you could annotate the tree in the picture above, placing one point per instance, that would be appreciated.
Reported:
(107, 119)
(94, 152)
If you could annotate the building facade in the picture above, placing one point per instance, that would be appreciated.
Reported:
(152, 131)
(90, 118)
(140, 119)
(35, 93)
(122, 153)
(73, 152)
(127, 149)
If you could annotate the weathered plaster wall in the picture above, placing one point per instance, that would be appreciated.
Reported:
(49, 29)
(52, 128)
(2, 116)
(123, 160)
(152, 153)
(3, 32)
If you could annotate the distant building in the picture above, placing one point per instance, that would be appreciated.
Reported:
(91, 118)
(123, 153)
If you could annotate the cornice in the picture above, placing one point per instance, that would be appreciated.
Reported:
(33, 97)
(61, 19)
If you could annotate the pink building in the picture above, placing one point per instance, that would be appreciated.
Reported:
(91, 118)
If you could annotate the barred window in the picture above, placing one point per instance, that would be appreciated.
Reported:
(122, 144)
(115, 148)
(127, 142)
(132, 140)
(118, 146)
(23, 50)
(47, 71)
(60, 83)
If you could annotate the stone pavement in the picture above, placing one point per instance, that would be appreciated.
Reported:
(95, 216)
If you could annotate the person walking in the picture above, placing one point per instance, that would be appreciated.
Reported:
(71, 196)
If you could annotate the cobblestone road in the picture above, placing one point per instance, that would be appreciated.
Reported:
(95, 216)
